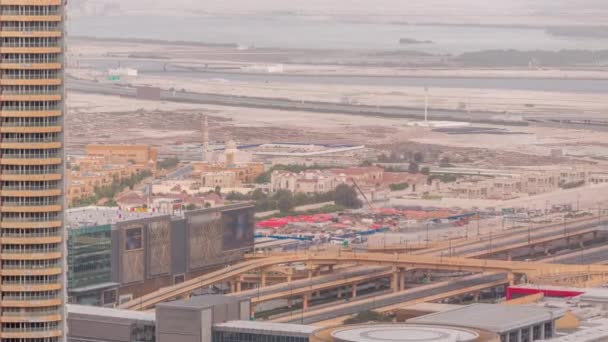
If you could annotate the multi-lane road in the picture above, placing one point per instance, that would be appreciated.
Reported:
(105, 88)
(423, 293)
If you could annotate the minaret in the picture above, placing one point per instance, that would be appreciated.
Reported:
(205, 139)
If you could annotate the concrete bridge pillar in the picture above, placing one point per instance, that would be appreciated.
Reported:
(402, 280)
(395, 280)
(354, 294)
(290, 275)
(305, 300)
(511, 278)
(263, 278)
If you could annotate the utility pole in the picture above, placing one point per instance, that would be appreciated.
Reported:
(427, 235)
(529, 231)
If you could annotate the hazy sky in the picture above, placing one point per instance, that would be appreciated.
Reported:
(376, 6)
(484, 11)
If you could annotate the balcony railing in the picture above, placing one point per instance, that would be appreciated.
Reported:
(33, 282)
(30, 313)
(29, 204)
(29, 140)
(30, 156)
(30, 124)
(30, 298)
(29, 172)
(30, 251)
(29, 187)
(29, 267)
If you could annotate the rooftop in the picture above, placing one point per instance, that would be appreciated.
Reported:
(493, 317)
(97, 216)
(200, 302)
(270, 328)
(110, 313)
(403, 332)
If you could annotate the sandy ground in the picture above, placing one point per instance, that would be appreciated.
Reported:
(97, 118)
(516, 102)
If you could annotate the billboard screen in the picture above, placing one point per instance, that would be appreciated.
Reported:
(238, 229)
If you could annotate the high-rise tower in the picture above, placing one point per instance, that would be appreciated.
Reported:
(31, 171)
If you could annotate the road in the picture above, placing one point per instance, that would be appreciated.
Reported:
(596, 255)
(180, 173)
(85, 86)
(531, 269)
(298, 284)
(578, 122)
(503, 239)
(446, 288)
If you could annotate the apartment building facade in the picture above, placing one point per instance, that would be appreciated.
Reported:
(31, 170)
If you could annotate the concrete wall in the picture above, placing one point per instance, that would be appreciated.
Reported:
(178, 325)
(90, 330)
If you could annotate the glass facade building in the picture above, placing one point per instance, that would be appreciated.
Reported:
(89, 263)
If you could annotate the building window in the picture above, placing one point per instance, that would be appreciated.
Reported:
(134, 239)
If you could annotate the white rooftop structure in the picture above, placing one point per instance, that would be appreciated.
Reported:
(590, 331)
(95, 216)
(96, 311)
(493, 317)
(404, 332)
(266, 327)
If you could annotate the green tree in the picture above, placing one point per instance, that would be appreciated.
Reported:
(413, 167)
(418, 157)
(398, 186)
(168, 163)
(258, 194)
(346, 196)
(425, 170)
(285, 201)
(301, 198)
(445, 162)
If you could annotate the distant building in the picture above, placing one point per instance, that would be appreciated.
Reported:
(223, 179)
(316, 181)
(371, 175)
(311, 181)
(210, 318)
(86, 323)
(136, 154)
(243, 173)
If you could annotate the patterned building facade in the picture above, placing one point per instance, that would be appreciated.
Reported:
(31, 170)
